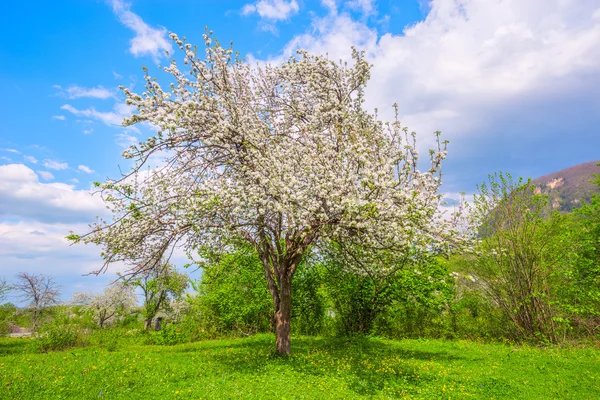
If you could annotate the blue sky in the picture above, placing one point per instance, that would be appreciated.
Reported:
(513, 84)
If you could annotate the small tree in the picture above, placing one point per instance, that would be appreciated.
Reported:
(4, 290)
(39, 291)
(159, 286)
(107, 306)
(281, 156)
(5, 308)
(518, 253)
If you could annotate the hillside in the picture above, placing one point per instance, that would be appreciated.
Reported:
(568, 187)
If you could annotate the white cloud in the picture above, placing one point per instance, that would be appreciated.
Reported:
(114, 118)
(24, 197)
(117, 75)
(74, 180)
(88, 131)
(35, 247)
(499, 67)
(27, 240)
(513, 85)
(56, 165)
(46, 175)
(30, 159)
(147, 40)
(331, 5)
(126, 141)
(35, 219)
(12, 151)
(76, 92)
(272, 9)
(367, 7)
(124, 109)
(333, 35)
(59, 117)
(85, 169)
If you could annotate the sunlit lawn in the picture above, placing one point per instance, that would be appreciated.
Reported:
(318, 369)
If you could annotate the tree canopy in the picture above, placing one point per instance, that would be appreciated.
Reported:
(107, 306)
(159, 286)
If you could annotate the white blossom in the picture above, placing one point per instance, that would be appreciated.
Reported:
(107, 306)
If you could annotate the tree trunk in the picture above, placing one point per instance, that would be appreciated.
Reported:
(283, 316)
(147, 324)
(34, 319)
(280, 263)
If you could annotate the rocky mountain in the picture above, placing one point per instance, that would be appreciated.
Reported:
(567, 188)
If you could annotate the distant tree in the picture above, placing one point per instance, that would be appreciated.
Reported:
(39, 291)
(159, 286)
(279, 155)
(6, 309)
(179, 308)
(4, 289)
(107, 306)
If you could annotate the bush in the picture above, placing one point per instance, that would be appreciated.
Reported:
(409, 319)
(232, 300)
(470, 316)
(7, 314)
(308, 302)
(59, 337)
(520, 251)
(473, 316)
(398, 303)
(170, 334)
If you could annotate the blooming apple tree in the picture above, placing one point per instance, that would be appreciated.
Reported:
(278, 155)
(107, 306)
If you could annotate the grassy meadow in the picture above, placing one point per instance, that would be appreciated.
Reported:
(320, 368)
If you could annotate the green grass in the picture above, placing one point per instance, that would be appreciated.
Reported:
(318, 369)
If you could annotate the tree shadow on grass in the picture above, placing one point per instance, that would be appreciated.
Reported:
(259, 342)
(367, 365)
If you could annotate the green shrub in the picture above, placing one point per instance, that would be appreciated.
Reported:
(308, 302)
(473, 316)
(170, 334)
(7, 315)
(59, 337)
(233, 298)
(470, 316)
